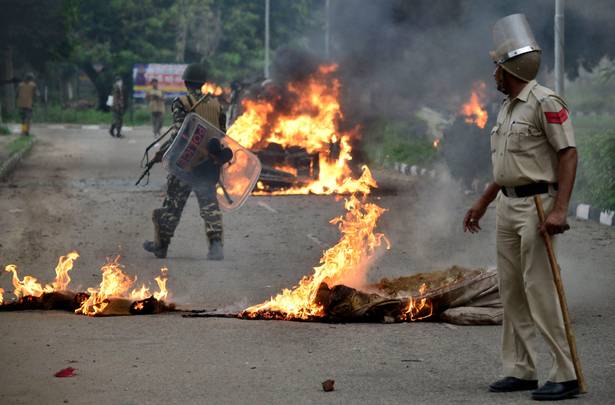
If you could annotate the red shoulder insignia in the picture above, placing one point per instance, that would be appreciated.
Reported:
(557, 117)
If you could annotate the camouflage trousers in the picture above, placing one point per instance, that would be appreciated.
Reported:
(167, 218)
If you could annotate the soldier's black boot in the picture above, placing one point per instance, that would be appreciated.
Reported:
(111, 130)
(159, 250)
(216, 251)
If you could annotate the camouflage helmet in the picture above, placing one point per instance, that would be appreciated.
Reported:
(195, 73)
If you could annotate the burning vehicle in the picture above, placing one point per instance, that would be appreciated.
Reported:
(294, 130)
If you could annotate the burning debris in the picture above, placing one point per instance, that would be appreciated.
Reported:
(294, 129)
(467, 138)
(111, 298)
(473, 110)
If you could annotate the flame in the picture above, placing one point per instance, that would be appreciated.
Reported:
(1, 295)
(214, 89)
(161, 280)
(346, 262)
(286, 168)
(115, 283)
(310, 120)
(65, 264)
(30, 286)
(472, 110)
(418, 309)
(436, 143)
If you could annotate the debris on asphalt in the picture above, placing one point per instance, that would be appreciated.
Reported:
(328, 385)
(66, 372)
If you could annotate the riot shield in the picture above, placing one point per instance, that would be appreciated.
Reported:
(189, 159)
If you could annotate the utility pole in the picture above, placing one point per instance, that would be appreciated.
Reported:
(267, 39)
(559, 46)
(327, 29)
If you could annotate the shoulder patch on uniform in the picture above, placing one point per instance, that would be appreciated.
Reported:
(557, 117)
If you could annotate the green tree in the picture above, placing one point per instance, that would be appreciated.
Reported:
(111, 36)
(32, 33)
(240, 51)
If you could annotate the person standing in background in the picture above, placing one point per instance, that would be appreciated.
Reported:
(155, 99)
(117, 108)
(26, 94)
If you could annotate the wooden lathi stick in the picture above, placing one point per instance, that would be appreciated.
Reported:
(557, 279)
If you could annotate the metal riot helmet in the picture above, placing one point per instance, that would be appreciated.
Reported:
(195, 73)
(516, 49)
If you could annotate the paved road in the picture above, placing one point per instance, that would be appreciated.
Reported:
(75, 191)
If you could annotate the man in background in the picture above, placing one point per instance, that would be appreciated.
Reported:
(117, 107)
(155, 99)
(26, 93)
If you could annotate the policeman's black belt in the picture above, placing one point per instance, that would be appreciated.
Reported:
(528, 190)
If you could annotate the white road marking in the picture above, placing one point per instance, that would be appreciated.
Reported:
(92, 127)
(267, 207)
(132, 141)
(315, 239)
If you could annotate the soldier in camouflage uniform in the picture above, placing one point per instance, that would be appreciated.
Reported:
(167, 218)
(117, 108)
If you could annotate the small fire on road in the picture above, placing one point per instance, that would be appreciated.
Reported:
(114, 295)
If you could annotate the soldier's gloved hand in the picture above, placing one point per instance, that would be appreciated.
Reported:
(214, 146)
(226, 154)
(219, 153)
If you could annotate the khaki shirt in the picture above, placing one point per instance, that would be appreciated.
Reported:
(26, 91)
(529, 132)
(210, 109)
(155, 97)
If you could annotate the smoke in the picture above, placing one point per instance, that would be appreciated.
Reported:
(397, 56)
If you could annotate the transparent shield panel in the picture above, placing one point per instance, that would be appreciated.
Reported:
(238, 177)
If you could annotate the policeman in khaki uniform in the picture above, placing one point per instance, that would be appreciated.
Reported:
(533, 153)
(155, 99)
(26, 93)
(167, 218)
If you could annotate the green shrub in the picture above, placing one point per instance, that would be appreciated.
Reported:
(4, 130)
(57, 114)
(388, 141)
(596, 175)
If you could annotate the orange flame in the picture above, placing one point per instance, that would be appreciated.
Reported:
(472, 110)
(310, 121)
(214, 89)
(30, 286)
(1, 295)
(436, 143)
(418, 309)
(115, 283)
(346, 262)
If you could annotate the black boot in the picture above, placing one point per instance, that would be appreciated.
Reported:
(552, 391)
(160, 251)
(111, 130)
(216, 251)
(510, 384)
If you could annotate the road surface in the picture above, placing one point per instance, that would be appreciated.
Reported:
(76, 191)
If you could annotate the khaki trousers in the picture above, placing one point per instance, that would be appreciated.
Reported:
(528, 293)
